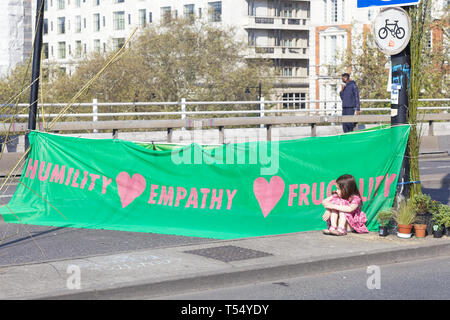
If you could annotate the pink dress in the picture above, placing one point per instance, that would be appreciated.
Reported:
(356, 219)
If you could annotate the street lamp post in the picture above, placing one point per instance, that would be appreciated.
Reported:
(36, 65)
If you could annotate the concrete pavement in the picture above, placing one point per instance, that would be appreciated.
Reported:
(177, 269)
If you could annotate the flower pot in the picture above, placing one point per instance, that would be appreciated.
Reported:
(420, 230)
(404, 228)
(404, 231)
(447, 231)
(438, 233)
(383, 231)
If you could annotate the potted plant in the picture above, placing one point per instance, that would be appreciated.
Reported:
(383, 217)
(421, 204)
(404, 216)
(441, 219)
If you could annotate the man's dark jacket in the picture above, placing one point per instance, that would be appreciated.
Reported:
(350, 95)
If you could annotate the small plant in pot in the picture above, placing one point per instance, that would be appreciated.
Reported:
(441, 219)
(383, 217)
(421, 204)
(404, 216)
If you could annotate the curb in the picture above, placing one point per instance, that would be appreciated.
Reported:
(251, 274)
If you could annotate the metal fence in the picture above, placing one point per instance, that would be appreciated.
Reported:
(187, 115)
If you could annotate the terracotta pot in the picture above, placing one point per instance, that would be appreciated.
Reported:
(420, 230)
(405, 228)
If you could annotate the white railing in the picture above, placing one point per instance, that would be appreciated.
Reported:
(95, 105)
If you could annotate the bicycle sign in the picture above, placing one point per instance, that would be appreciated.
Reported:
(392, 30)
(395, 30)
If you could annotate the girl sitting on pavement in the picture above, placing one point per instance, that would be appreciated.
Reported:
(343, 208)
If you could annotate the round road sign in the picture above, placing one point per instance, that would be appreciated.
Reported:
(392, 30)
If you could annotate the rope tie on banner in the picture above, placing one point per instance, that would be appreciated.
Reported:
(408, 182)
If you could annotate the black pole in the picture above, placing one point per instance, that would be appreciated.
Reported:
(36, 66)
(401, 66)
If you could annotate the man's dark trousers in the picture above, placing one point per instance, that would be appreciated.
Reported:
(348, 126)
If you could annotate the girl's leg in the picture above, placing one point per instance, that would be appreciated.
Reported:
(334, 219)
(341, 222)
(331, 218)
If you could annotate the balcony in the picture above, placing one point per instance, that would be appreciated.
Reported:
(277, 52)
(275, 23)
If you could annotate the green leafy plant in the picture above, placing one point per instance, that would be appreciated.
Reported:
(384, 216)
(405, 213)
(441, 216)
(421, 204)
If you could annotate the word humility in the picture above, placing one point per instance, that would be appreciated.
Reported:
(129, 188)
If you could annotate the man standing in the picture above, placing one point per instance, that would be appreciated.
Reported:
(350, 101)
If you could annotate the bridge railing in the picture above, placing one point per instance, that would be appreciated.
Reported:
(219, 119)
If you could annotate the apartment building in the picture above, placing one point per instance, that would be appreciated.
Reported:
(15, 32)
(274, 29)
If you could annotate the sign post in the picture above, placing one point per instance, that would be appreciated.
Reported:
(392, 32)
(35, 69)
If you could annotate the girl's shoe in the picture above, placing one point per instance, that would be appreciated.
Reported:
(329, 231)
(338, 232)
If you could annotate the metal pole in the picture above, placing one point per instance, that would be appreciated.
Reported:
(401, 65)
(36, 65)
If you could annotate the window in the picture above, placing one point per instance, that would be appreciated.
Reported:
(61, 4)
(78, 49)
(119, 20)
(165, 14)
(61, 25)
(189, 11)
(77, 24)
(286, 71)
(45, 50)
(150, 17)
(294, 97)
(251, 38)
(96, 3)
(334, 10)
(142, 18)
(118, 43)
(251, 8)
(96, 21)
(333, 48)
(119, 1)
(61, 50)
(287, 10)
(45, 26)
(97, 45)
(77, 3)
(215, 11)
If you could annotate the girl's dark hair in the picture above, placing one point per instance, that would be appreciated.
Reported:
(347, 184)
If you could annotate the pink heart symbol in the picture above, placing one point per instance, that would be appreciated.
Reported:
(129, 188)
(268, 194)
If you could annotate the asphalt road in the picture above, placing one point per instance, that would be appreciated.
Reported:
(418, 280)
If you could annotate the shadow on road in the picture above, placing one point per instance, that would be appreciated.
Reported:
(442, 191)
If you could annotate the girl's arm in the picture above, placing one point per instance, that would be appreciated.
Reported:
(326, 202)
(343, 208)
(354, 204)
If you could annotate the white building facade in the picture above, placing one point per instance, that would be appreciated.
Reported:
(274, 29)
(15, 32)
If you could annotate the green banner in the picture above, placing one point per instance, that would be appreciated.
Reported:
(229, 191)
